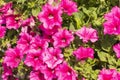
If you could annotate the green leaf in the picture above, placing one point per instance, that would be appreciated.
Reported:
(21, 1)
(72, 27)
(103, 56)
(35, 11)
(79, 19)
(107, 42)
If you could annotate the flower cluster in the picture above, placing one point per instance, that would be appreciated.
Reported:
(40, 50)
(8, 19)
(43, 40)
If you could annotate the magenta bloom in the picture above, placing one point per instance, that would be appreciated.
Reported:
(62, 38)
(116, 48)
(12, 57)
(7, 9)
(50, 16)
(39, 44)
(7, 71)
(69, 6)
(49, 74)
(36, 75)
(108, 74)
(64, 72)
(49, 31)
(11, 22)
(83, 53)
(34, 59)
(87, 34)
(2, 31)
(24, 42)
(53, 57)
(112, 26)
(29, 22)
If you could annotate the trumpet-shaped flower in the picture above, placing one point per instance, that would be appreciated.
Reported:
(83, 53)
(7, 8)
(34, 59)
(39, 44)
(64, 72)
(112, 26)
(69, 6)
(29, 22)
(24, 42)
(108, 74)
(36, 75)
(62, 38)
(87, 34)
(11, 22)
(50, 16)
(13, 57)
(53, 57)
(116, 48)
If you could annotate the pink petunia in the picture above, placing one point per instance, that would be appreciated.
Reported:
(29, 22)
(11, 22)
(87, 34)
(36, 75)
(69, 6)
(24, 42)
(7, 8)
(50, 16)
(108, 74)
(62, 38)
(111, 25)
(2, 31)
(83, 53)
(39, 44)
(53, 57)
(13, 57)
(7, 71)
(65, 72)
(49, 74)
(116, 48)
(34, 59)
(49, 31)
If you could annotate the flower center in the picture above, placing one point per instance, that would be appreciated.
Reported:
(63, 40)
(50, 16)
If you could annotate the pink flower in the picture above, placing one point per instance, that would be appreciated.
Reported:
(29, 22)
(34, 59)
(13, 57)
(11, 22)
(2, 31)
(87, 34)
(7, 8)
(24, 42)
(49, 74)
(112, 26)
(36, 75)
(64, 72)
(83, 79)
(116, 48)
(7, 71)
(69, 6)
(49, 31)
(53, 57)
(39, 44)
(108, 74)
(62, 38)
(83, 53)
(50, 16)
